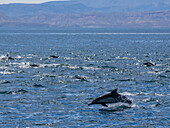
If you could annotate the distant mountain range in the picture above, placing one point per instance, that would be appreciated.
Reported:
(89, 13)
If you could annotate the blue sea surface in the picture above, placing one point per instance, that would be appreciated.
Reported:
(37, 90)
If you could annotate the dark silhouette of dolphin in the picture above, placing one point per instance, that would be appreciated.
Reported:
(34, 65)
(7, 58)
(80, 78)
(112, 97)
(148, 64)
(53, 56)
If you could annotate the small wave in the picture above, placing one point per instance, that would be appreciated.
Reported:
(150, 81)
(69, 58)
(38, 86)
(24, 65)
(156, 105)
(49, 75)
(167, 71)
(28, 65)
(20, 91)
(163, 76)
(76, 67)
(90, 68)
(125, 58)
(150, 99)
(142, 93)
(71, 67)
(155, 72)
(81, 78)
(5, 82)
(116, 107)
(156, 94)
(112, 67)
(128, 94)
(125, 79)
(1, 57)
(49, 65)
(6, 72)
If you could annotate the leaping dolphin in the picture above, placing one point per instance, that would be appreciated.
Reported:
(112, 97)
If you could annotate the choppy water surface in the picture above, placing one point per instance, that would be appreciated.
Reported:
(37, 90)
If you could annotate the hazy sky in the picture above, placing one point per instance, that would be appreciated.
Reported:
(26, 1)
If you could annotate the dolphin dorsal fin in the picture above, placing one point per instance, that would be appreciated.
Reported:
(114, 91)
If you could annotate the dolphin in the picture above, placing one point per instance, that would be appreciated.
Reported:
(34, 65)
(53, 56)
(148, 64)
(80, 78)
(112, 97)
(7, 58)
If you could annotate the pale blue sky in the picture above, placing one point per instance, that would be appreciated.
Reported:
(26, 1)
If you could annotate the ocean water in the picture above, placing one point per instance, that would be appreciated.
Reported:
(37, 90)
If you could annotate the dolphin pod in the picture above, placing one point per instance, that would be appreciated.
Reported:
(112, 97)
